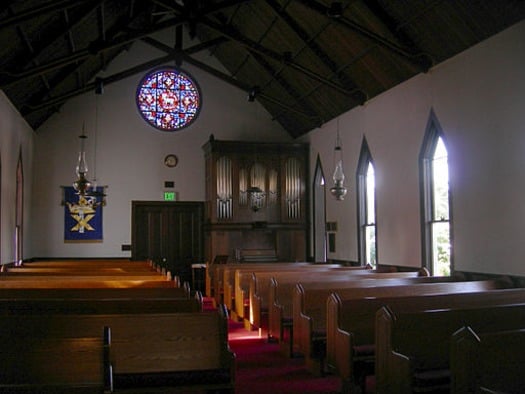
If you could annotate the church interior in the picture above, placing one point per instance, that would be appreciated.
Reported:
(221, 153)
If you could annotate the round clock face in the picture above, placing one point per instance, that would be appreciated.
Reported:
(171, 160)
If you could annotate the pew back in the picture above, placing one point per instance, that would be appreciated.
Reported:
(253, 287)
(71, 282)
(57, 364)
(310, 307)
(223, 276)
(236, 280)
(413, 348)
(96, 293)
(260, 285)
(149, 349)
(281, 289)
(351, 323)
(88, 306)
(490, 361)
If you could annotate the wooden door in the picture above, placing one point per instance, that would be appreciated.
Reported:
(170, 233)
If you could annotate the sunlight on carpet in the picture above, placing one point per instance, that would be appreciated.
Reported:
(262, 367)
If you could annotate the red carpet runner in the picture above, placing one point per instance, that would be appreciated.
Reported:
(262, 368)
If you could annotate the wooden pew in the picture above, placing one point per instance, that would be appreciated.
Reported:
(122, 264)
(54, 364)
(56, 271)
(310, 307)
(491, 362)
(413, 348)
(231, 284)
(99, 293)
(83, 282)
(87, 306)
(259, 286)
(258, 302)
(200, 357)
(350, 326)
(280, 300)
(104, 270)
(168, 352)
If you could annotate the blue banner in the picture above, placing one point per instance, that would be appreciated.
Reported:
(82, 217)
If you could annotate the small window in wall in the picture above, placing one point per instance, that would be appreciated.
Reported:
(168, 99)
(366, 196)
(435, 197)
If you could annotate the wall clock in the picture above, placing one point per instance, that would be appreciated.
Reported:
(171, 160)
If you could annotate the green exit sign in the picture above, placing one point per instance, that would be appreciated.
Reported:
(169, 196)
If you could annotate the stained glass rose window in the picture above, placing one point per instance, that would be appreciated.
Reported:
(168, 99)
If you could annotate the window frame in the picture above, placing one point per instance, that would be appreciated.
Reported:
(153, 75)
(365, 159)
(433, 133)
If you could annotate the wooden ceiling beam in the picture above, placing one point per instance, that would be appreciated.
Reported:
(420, 60)
(393, 28)
(186, 56)
(94, 49)
(321, 54)
(254, 47)
(28, 109)
(32, 13)
(76, 67)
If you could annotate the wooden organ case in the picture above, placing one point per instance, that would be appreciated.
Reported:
(256, 201)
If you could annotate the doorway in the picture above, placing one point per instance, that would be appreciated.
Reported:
(169, 233)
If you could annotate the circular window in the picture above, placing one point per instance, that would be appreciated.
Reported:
(168, 99)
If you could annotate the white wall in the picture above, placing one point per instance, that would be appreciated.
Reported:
(130, 153)
(16, 138)
(479, 100)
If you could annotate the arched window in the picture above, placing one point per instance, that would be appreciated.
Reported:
(435, 201)
(319, 203)
(19, 211)
(366, 200)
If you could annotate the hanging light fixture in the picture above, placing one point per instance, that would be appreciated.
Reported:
(82, 184)
(97, 195)
(88, 193)
(338, 190)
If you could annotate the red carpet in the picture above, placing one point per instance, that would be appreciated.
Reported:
(262, 368)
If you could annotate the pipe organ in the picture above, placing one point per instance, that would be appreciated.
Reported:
(256, 199)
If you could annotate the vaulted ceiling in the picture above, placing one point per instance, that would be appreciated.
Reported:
(305, 61)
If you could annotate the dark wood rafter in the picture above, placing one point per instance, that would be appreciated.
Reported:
(186, 57)
(30, 49)
(28, 108)
(303, 106)
(102, 33)
(76, 68)
(23, 61)
(256, 48)
(195, 9)
(315, 88)
(94, 49)
(6, 5)
(311, 44)
(411, 56)
(263, 34)
(39, 11)
(53, 49)
(69, 33)
(388, 22)
(293, 92)
(98, 46)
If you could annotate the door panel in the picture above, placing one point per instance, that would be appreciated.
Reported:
(170, 233)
